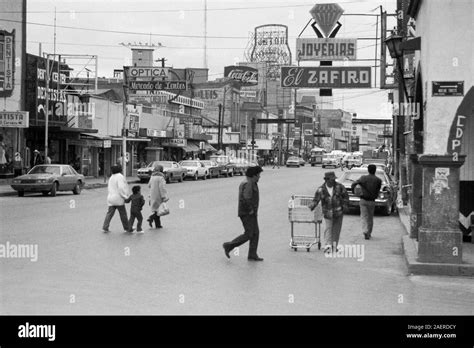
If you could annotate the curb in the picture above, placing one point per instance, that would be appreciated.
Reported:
(85, 187)
(410, 250)
(420, 268)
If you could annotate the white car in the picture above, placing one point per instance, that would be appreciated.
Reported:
(195, 169)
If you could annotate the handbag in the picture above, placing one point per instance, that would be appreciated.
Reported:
(163, 209)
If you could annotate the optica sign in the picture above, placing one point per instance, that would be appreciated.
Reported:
(148, 72)
(325, 77)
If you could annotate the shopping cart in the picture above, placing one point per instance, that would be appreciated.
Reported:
(299, 212)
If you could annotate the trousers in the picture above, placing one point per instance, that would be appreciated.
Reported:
(138, 215)
(110, 214)
(332, 230)
(251, 234)
(367, 215)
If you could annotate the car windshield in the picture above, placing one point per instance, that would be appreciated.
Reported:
(189, 164)
(164, 164)
(207, 163)
(293, 159)
(45, 170)
(353, 176)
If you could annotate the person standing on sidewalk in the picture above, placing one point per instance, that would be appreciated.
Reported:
(247, 211)
(118, 193)
(371, 185)
(333, 197)
(158, 195)
(275, 162)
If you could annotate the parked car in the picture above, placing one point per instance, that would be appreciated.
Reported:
(213, 169)
(387, 199)
(331, 161)
(302, 161)
(172, 171)
(293, 161)
(241, 165)
(49, 178)
(228, 168)
(195, 169)
(351, 161)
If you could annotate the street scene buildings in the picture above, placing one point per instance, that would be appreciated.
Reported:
(323, 88)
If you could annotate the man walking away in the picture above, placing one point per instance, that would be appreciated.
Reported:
(371, 185)
(247, 211)
(118, 193)
(333, 197)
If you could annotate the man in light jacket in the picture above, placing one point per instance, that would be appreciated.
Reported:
(118, 193)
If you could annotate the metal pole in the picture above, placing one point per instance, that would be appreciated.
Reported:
(124, 125)
(46, 110)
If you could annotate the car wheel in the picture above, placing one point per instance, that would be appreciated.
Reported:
(45, 193)
(312, 165)
(181, 178)
(77, 188)
(21, 193)
(204, 177)
(196, 176)
(167, 179)
(231, 174)
(54, 189)
(323, 166)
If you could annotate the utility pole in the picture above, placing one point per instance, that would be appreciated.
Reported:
(124, 125)
(253, 134)
(219, 128)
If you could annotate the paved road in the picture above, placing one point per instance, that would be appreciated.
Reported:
(181, 269)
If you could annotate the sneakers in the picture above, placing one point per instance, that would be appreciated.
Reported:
(140, 232)
(105, 231)
(255, 258)
(367, 236)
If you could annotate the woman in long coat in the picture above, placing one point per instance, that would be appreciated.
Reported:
(158, 194)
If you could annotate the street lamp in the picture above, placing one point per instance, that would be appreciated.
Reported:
(394, 47)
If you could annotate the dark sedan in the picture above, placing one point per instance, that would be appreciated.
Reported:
(49, 178)
(387, 199)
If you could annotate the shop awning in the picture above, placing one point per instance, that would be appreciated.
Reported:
(191, 147)
(146, 140)
(95, 136)
(209, 148)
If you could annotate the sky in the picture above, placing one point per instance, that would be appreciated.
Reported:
(178, 26)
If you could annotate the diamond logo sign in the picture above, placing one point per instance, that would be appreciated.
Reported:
(326, 16)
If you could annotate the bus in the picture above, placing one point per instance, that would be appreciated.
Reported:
(316, 156)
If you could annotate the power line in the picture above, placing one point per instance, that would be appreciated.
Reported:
(142, 33)
(201, 10)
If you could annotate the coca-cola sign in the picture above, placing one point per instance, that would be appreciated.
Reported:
(246, 75)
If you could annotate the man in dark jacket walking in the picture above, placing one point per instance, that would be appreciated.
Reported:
(370, 185)
(248, 209)
(333, 197)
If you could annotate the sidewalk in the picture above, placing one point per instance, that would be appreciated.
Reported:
(90, 183)
(410, 248)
